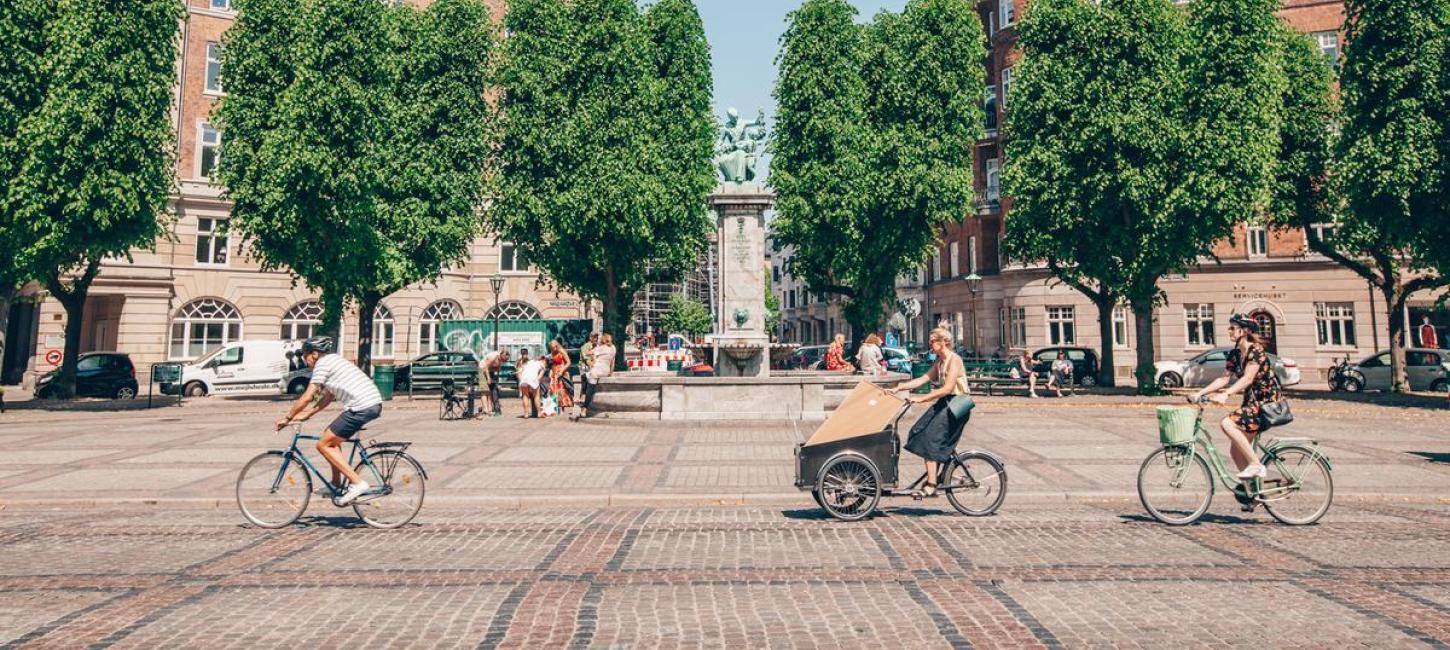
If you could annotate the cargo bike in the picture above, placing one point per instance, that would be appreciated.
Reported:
(851, 462)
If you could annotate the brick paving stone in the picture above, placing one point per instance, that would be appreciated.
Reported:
(1368, 546)
(564, 455)
(97, 481)
(834, 548)
(29, 457)
(780, 477)
(732, 453)
(417, 549)
(549, 477)
(27, 610)
(1048, 545)
(597, 438)
(58, 553)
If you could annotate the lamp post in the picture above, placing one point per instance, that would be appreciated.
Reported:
(974, 284)
(496, 282)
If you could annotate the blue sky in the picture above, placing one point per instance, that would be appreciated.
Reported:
(744, 37)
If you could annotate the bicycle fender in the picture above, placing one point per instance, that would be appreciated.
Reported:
(986, 453)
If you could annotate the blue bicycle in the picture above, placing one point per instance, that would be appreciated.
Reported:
(274, 488)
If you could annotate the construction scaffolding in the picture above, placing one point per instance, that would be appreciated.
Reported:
(651, 303)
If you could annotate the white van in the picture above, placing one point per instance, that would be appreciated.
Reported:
(236, 368)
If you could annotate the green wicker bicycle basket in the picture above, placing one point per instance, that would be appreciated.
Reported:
(1176, 424)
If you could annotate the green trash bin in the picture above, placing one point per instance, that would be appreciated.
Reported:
(383, 379)
(674, 365)
(918, 369)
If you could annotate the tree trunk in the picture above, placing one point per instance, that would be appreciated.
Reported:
(7, 294)
(1395, 299)
(616, 318)
(1106, 371)
(1145, 371)
(366, 308)
(73, 299)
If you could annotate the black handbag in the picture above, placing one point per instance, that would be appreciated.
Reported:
(1275, 414)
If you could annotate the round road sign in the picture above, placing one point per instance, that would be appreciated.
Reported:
(53, 357)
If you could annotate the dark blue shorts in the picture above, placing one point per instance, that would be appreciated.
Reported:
(348, 423)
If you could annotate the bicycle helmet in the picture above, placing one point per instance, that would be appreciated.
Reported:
(1244, 322)
(321, 344)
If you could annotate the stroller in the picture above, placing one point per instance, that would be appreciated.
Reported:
(851, 462)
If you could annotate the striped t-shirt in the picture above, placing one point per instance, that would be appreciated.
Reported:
(346, 382)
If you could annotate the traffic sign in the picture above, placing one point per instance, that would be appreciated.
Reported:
(53, 357)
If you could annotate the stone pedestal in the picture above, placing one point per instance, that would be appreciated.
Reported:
(740, 340)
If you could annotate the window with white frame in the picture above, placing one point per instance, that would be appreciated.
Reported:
(989, 107)
(437, 312)
(1120, 327)
(208, 150)
(954, 252)
(511, 259)
(1002, 330)
(203, 325)
(302, 320)
(1006, 86)
(1328, 46)
(1258, 236)
(1019, 326)
(1061, 328)
(994, 179)
(972, 254)
(1324, 231)
(1198, 318)
(513, 310)
(1008, 12)
(221, 5)
(936, 264)
(957, 327)
(1336, 324)
(383, 330)
(213, 67)
(212, 241)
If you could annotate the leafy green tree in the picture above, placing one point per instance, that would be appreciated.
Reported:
(686, 316)
(1138, 137)
(1392, 168)
(85, 143)
(872, 147)
(608, 136)
(772, 311)
(357, 142)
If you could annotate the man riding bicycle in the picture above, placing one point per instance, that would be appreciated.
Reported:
(336, 378)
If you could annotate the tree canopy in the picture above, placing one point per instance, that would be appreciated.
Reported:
(872, 145)
(357, 141)
(686, 316)
(608, 135)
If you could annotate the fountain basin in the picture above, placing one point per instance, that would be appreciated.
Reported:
(807, 396)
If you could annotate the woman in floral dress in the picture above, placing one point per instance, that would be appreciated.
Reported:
(560, 386)
(1249, 372)
(836, 355)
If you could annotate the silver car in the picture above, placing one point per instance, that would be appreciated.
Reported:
(1427, 370)
(1208, 366)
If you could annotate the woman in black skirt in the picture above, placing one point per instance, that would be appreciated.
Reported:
(934, 436)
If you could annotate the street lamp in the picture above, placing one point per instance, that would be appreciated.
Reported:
(974, 284)
(497, 283)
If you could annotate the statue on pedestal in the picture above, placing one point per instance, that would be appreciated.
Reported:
(739, 147)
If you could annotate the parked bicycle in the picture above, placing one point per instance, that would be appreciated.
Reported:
(1176, 482)
(1343, 377)
(274, 488)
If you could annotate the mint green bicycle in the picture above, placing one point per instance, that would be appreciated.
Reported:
(1176, 482)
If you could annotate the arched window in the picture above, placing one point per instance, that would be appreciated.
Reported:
(428, 324)
(203, 325)
(302, 320)
(513, 310)
(382, 332)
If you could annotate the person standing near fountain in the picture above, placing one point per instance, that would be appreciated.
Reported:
(871, 361)
(934, 436)
(601, 367)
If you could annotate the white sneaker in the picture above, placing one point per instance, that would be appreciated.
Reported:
(1253, 471)
(353, 492)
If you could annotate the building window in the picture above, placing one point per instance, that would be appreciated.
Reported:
(302, 320)
(212, 240)
(954, 253)
(1336, 324)
(1328, 46)
(1060, 327)
(1258, 237)
(511, 259)
(1199, 320)
(1008, 12)
(513, 310)
(204, 325)
(383, 329)
(972, 254)
(936, 266)
(1324, 231)
(1019, 326)
(442, 310)
(989, 106)
(994, 179)
(221, 5)
(213, 67)
(1120, 327)
(1006, 86)
(209, 154)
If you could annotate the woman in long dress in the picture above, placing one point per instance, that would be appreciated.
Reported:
(560, 386)
(934, 436)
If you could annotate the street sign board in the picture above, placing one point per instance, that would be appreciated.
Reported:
(166, 373)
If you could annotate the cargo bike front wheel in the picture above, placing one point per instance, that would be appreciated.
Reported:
(849, 487)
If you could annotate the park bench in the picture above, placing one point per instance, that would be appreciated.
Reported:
(996, 373)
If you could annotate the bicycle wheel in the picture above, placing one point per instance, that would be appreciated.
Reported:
(1175, 485)
(849, 487)
(401, 480)
(1309, 477)
(975, 484)
(272, 491)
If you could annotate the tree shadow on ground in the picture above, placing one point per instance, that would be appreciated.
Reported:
(1430, 401)
(1432, 456)
(1207, 518)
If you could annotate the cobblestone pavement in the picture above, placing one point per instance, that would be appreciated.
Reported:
(1046, 575)
(1083, 447)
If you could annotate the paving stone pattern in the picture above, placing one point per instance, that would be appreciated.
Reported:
(1043, 576)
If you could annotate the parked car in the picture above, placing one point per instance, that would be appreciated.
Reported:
(98, 374)
(1209, 365)
(1427, 370)
(1084, 363)
(239, 367)
(897, 359)
(805, 357)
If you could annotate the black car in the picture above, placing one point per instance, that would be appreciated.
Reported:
(1084, 363)
(98, 374)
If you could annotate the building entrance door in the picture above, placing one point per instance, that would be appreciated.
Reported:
(1268, 330)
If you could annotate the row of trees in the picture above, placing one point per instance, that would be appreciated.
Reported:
(367, 144)
(1140, 135)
